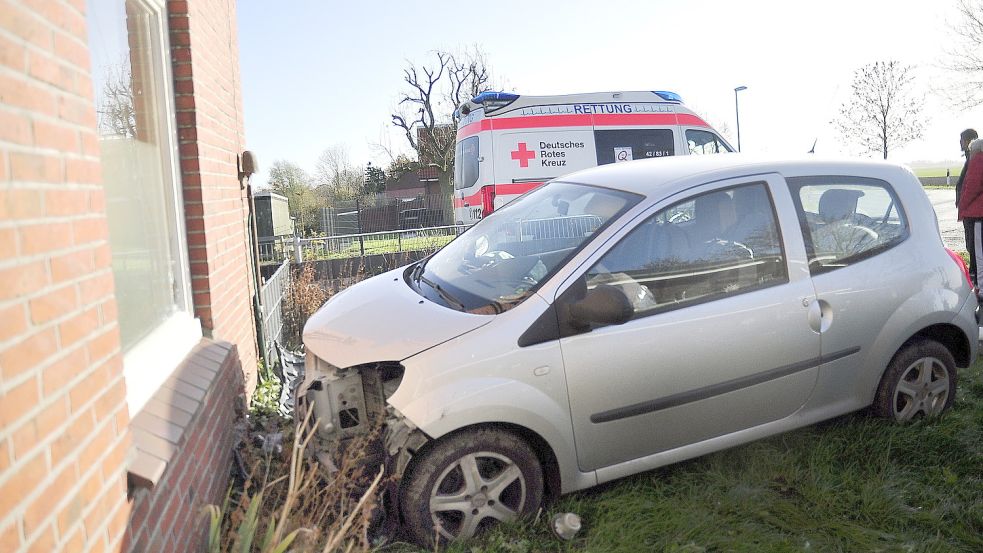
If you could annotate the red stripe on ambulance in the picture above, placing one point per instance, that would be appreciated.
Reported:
(515, 188)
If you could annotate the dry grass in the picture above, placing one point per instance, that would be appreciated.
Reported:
(303, 297)
(287, 501)
(290, 502)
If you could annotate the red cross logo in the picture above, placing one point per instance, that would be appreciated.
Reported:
(523, 155)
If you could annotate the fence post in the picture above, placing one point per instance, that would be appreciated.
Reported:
(298, 253)
(358, 220)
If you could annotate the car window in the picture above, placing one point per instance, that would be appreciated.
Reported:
(705, 142)
(714, 245)
(614, 146)
(466, 163)
(846, 219)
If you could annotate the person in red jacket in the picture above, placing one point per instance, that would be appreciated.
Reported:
(971, 207)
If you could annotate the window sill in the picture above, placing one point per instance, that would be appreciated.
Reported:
(153, 360)
(159, 430)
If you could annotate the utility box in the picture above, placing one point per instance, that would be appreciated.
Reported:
(272, 215)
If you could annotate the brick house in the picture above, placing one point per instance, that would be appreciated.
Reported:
(420, 182)
(127, 332)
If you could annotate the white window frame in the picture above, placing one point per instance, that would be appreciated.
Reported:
(151, 361)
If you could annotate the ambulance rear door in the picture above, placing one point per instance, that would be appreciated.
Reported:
(525, 159)
(472, 171)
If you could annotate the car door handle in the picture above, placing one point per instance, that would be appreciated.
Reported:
(820, 315)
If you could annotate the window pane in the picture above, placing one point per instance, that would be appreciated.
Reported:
(704, 142)
(466, 163)
(711, 246)
(626, 145)
(458, 180)
(127, 73)
(845, 220)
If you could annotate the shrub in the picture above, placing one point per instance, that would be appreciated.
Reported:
(304, 296)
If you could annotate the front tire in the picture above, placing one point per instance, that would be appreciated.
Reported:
(919, 381)
(467, 482)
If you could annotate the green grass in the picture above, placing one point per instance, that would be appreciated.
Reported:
(855, 483)
(938, 171)
(382, 246)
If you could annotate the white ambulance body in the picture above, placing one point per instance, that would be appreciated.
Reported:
(508, 144)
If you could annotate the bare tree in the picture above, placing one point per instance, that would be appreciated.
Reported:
(116, 112)
(427, 111)
(884, 111)
(335, 176)
(965, 56)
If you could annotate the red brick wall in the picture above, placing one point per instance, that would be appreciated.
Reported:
(204, 46)
(169, 517)
(63, 416)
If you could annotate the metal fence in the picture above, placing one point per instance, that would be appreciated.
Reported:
(573, 226)
(275, 250)
(371, 243)
(271, 295)
(384, 212)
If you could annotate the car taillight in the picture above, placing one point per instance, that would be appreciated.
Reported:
(487, 200)
(962, 265)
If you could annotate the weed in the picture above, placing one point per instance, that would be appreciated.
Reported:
(266, 397)
(290, 502)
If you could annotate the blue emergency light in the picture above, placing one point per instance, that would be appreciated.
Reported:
(668, 96)
(494, 97)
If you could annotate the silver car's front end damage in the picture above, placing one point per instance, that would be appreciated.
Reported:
(350, 403)
(346, 405)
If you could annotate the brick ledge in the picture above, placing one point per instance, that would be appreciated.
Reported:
(159, 430)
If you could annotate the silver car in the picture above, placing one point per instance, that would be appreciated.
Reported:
(634, 315)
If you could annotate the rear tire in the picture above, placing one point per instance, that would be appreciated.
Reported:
(467, 482)
(919, 381)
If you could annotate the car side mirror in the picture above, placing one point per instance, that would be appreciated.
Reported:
(604, 304)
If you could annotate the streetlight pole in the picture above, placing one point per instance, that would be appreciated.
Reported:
(737, 111)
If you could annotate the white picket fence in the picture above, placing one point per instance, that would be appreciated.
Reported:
(271, 295)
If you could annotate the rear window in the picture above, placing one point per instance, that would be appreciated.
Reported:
(846, 219)
(615, 146)
(466, 163)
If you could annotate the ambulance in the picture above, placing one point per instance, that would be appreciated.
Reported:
(508, 144)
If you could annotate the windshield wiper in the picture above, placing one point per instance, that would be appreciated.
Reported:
(417, 271)
(440, 291)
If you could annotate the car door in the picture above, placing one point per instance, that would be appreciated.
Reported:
(719, 339)
(861, 263)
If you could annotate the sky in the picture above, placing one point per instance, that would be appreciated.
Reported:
(322, 74)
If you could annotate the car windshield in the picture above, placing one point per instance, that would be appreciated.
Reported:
(498, 262)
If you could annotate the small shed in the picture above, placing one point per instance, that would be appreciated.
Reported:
(272, 215)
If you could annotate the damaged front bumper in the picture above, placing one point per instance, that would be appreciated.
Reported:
(350, 403)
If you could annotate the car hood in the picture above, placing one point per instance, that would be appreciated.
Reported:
(382, 319)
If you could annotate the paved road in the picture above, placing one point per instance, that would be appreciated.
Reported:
(943, 200)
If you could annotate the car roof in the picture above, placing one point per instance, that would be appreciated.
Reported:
(663, 176)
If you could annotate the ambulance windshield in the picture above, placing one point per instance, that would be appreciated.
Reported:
(504, 258)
